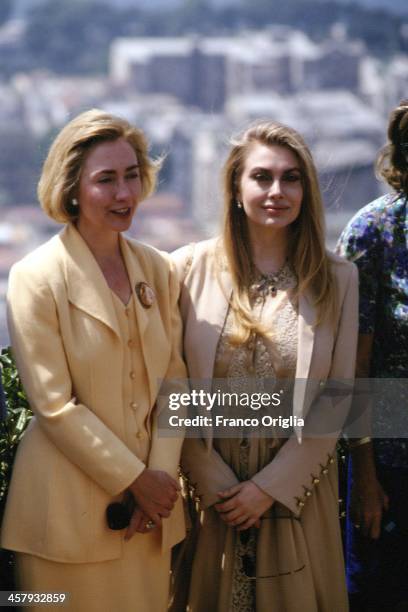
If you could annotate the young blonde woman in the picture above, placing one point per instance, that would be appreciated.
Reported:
(94, 325)
(266, 301)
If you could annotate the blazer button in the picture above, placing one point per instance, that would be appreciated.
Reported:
(130, 344)
(139, 435)
(132, 375)
(133, 405)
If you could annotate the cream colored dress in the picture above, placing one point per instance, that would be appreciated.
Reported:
(139, 580)
(289, 564)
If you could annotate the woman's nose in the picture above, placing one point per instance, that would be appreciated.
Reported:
(122, 190)
(275, 189)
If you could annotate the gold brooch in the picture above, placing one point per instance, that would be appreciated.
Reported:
(145, 294)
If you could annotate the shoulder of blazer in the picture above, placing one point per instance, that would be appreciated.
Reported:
(342, 269)
(42, 264)
(195, 254)
(206, 248)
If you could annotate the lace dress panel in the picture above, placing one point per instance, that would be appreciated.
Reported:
(270, 358)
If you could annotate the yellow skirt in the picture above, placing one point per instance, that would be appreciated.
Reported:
(137, 582)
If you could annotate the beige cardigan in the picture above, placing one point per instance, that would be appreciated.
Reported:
(76, 455)
(324, 352)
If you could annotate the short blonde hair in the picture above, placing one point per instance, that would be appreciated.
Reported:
(62, 168)
(392, 164)
(307, 252)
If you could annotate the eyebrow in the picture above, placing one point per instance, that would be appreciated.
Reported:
(109, 171)
(257, 168)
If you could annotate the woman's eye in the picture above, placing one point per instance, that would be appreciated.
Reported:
(105, 179)
(132, 176)
(292, 178)
(262, 177)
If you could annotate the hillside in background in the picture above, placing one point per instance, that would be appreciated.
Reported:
(393, 6)
(396, 6)
(74, 37)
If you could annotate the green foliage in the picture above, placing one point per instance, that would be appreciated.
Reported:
(11, 432)
(13, 427)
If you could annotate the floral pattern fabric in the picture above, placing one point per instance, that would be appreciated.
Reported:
(376, 239)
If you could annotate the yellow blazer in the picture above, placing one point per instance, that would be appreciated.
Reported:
(76, 456)
(323, 352)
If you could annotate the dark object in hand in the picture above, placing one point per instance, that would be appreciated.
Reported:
(118, 514)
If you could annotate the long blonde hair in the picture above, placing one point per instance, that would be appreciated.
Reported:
(307, 253)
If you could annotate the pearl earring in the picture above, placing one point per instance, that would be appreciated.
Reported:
(239, 204)
(74, 202)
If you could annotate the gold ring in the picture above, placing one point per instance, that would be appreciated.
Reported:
(357, 526)
(150, 525)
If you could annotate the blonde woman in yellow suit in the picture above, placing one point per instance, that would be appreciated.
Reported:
(94, 325)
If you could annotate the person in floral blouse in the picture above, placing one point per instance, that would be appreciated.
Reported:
(376, 239)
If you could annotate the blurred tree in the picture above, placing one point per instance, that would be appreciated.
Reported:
(379, 29)
(194, 12)
(188, 16)
(5, 10)
(74, 37)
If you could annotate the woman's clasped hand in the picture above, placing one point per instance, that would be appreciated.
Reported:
(155, 493)
(244, 504)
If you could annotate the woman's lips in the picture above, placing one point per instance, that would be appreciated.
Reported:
(121, 212)
(275, 208)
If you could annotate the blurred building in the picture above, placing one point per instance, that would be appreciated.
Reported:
(188, 68)
(189, 94)
(206, 71)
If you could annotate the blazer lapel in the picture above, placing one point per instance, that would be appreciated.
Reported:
(306, 337)
(134, 264)
(220, 294)
(86, 285)
(208, 323)
(216, 311)
(136, 275)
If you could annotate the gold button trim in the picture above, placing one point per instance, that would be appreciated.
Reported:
(324, 469)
